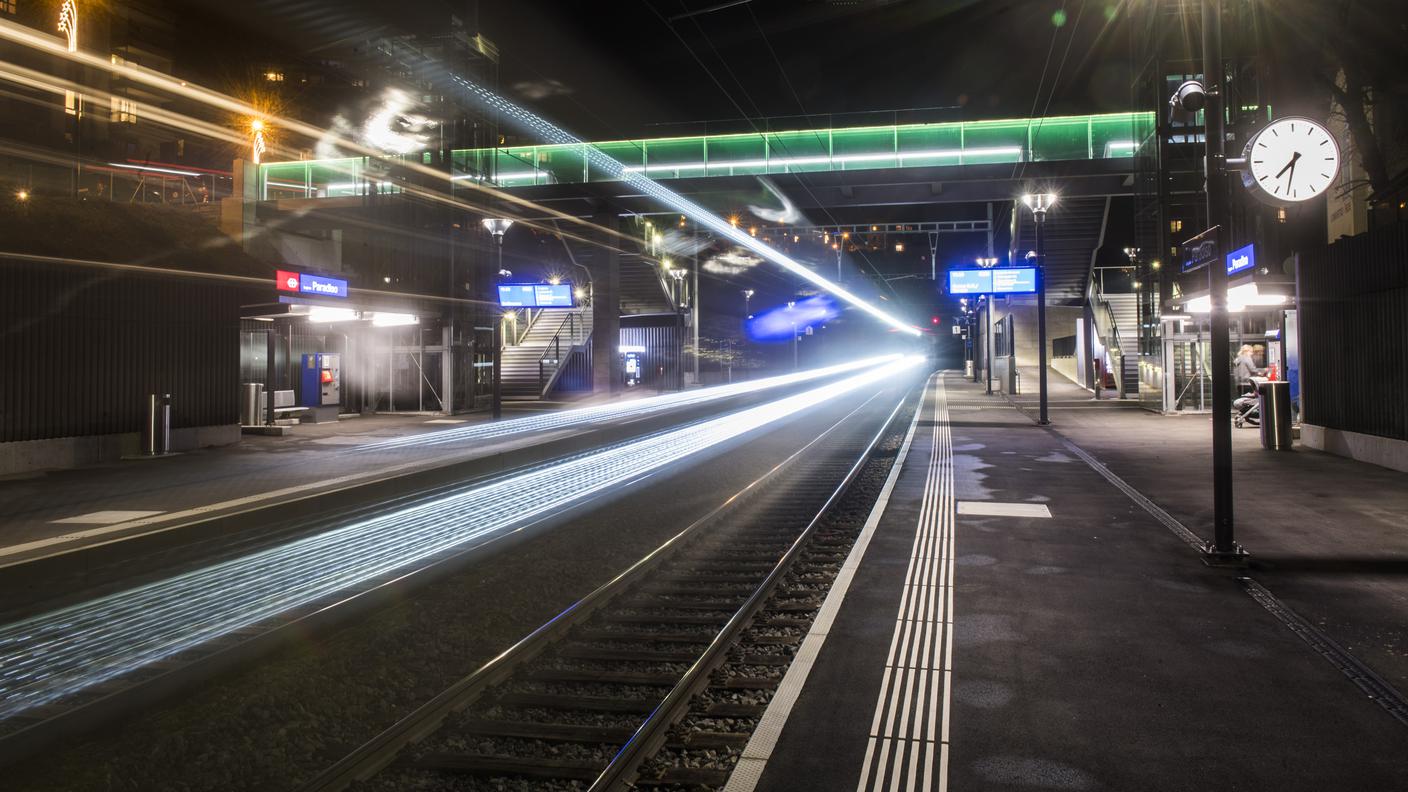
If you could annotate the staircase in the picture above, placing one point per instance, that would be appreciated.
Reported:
(1120, 334)
(642, 289)
(529, 363)
(1075, 228)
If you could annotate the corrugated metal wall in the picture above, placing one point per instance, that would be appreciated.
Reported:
(81, 348)
(661, 361)
(1353, 303)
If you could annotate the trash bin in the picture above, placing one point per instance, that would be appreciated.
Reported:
(158, 435)
(252, 403)
(1275, 406)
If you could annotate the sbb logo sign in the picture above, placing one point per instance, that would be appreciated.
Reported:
(286, 281)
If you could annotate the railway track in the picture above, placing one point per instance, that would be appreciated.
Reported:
(656, 679)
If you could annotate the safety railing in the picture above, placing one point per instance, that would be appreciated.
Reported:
(550, 363)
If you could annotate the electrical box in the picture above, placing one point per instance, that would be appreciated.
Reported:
(321, 381)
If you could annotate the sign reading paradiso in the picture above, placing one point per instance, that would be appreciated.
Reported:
(308, 283)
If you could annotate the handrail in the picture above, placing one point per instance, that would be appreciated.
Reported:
(664, 286)
(546, 381)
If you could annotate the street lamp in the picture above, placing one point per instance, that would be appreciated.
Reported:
(1039, 203)
(747, 297)
(498, 227)
(257, 145)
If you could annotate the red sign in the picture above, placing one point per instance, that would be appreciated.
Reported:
(286, 281)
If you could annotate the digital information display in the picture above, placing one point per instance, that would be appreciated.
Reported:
(535, 295)
(1014, 280)
(1001, 280)
(969, 281)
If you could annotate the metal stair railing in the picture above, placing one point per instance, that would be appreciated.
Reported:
(550, 362)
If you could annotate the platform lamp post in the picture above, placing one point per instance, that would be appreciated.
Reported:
(678, 275)
(1039, 203)
(790, 305)
(987, 263)
(498, 226)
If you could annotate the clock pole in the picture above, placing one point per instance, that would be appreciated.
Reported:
(1223, 547)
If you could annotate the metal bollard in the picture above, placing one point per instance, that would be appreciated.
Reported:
(158, 431)
(1275, 402)
(252, 404)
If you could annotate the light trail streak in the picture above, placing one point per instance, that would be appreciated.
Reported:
(612, 412)
(55, 655)
(23, 36)
(552, 133)
(547, 130)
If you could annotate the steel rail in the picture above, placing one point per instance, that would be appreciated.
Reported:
(381, 751)
(621, 773)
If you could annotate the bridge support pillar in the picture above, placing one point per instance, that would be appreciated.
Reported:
(606, 309)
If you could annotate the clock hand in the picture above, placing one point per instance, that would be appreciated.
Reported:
(1289, 165)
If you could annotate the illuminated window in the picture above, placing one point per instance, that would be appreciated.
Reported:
(73, 104)
(7, 6)
(124, 111)
(274, 76)
(1174, 226)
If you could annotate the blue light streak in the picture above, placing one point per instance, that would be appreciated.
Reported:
(55, 655)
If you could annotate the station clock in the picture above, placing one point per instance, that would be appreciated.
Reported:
(1290, 161)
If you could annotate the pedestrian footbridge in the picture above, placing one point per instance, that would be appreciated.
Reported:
(921, 146)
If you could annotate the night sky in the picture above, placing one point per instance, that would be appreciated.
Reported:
(620, 69)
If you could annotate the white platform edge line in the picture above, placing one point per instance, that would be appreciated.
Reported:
(760, 746)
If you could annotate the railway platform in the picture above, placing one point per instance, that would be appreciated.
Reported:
(55, 512)
(1027, 609)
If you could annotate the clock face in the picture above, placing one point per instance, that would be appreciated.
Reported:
(1291, 160)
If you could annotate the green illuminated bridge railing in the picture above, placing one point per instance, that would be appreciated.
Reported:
(1086, 137)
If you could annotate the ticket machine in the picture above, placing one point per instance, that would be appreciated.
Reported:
(633, 372)
(321, 382)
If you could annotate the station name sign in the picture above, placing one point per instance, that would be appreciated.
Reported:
(1241, 259)
(999, 280)
(1201, 250)
(308, 283)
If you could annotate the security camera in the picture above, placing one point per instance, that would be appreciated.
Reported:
(1191, 96)
(1185, 103)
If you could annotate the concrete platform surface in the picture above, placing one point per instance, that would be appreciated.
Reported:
(997, 648)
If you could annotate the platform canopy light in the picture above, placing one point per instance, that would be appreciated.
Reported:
(1239, 298)
(386, 319)
(322, 313)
